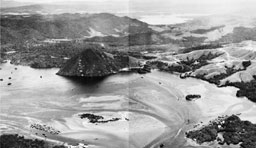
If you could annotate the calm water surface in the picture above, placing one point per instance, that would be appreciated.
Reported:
(154, 104)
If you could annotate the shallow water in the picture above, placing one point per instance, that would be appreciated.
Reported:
(164, 19)
(154, 105)
(168, 19)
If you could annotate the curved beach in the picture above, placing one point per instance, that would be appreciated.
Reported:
(151, 108)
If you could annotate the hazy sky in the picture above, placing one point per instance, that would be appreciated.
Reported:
(169, 6)
(199, 2)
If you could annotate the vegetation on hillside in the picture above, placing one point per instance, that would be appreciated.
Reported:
(16, 141)
(19, 29)
(234, 131)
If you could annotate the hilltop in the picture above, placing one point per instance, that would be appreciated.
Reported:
(93, 62)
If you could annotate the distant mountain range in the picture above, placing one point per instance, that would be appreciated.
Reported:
(65, 7)
(134, 7)
(204, 47)
(20, 28)
(13, 3)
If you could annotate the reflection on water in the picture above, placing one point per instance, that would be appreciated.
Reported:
(151, 104)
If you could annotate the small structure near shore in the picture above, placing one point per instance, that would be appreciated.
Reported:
(145, 69)
(139, 69)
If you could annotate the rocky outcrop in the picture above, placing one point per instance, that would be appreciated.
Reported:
(95, 63)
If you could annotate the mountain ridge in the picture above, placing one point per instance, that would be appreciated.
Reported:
(39, 27)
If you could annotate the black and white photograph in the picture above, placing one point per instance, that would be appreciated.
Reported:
(128, 74)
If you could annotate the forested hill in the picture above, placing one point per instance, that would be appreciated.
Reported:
(20, 28)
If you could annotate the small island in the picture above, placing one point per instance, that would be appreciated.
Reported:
(192, 97)
(96, 119)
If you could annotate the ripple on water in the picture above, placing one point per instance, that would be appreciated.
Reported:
(155, 105)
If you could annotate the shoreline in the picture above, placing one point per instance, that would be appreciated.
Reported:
(199, 88)
(224, 130)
